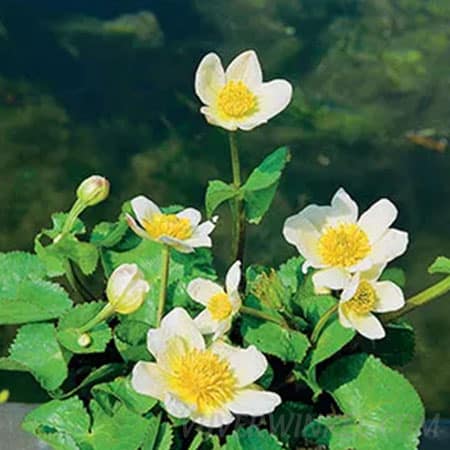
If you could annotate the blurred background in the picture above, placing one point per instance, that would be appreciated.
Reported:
(107, 87)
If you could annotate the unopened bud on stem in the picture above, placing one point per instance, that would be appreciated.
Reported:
(93, 190)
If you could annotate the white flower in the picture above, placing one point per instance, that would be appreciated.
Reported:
(221, 305)
(204, 384)
(126, 289)
(362, 295)
(333, 239)
(181, 231)
(238, 98)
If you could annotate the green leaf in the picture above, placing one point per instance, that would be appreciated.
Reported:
(217, 193)
(107, 234)
(396, 348)
(58, 221)
(18, 266)
(130, 338)
(68, 333)
(252, 438)
(394, 274)
(287, 422)
(66, 421)
(36, 348)
(440, 265)
(270, 338)
(381, 409)
(31, 300)
(59, 421)
(119, 392)
(291, 274)
(269, 171)
(261, 185)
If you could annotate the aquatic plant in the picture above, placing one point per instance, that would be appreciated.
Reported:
(162, 356)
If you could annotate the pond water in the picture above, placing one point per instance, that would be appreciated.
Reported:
(107, 87)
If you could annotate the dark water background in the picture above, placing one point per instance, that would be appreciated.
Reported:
(107, 87)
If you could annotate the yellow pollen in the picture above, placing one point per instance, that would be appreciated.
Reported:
(219, 306)
(343, 245)
(363, 301)
(168, 225)
(235, 100)
(203, 379)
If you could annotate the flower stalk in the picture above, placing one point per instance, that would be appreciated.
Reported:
(165, 262)
(420, 299)
(237, 208)
(262, 315)
(322, 323)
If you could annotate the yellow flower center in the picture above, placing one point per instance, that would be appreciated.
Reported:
(343, 245)
(363, 301)
(220, 306)
(235, 100)
(203, 379)
(168, 225)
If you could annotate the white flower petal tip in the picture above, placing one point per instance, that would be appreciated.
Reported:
(333, 239)
(182, 231)
(238, 98)
(204, 384)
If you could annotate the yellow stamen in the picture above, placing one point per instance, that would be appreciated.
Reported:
(220, 306)
(363, 301)
(343, 245)
(202, 379)
(235, 100)
(168, 225)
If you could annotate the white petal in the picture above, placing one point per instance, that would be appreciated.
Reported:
(373, 273)
(175, 324)
(351, 288)
(246, 68)
(316, 215)
(344, 209)
(215, 419)
(209, 78)
(392, 244)
(223, 327)
(233, 278)
(368, 325)
(273, 97)
(136, 228)
(144, 208)
(177, 244)
(248, 364)
(343, 319)
(206, 227)
(214, 118)
(252, 402)
(148, 379)
(205, 323)
(389, 296)
(201, 290)
(333, 278)
(192, 215)
(199, 241)
(176, 407)
(300, 232)
(378, 218)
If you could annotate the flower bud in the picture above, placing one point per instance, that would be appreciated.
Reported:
(93, 190)
(126, 289)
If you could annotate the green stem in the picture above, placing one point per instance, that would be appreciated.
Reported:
(107, 311)
(77, 208)
(420, 299)
(262, 315)
(238, 207)
(164, 279)
(320, 325)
